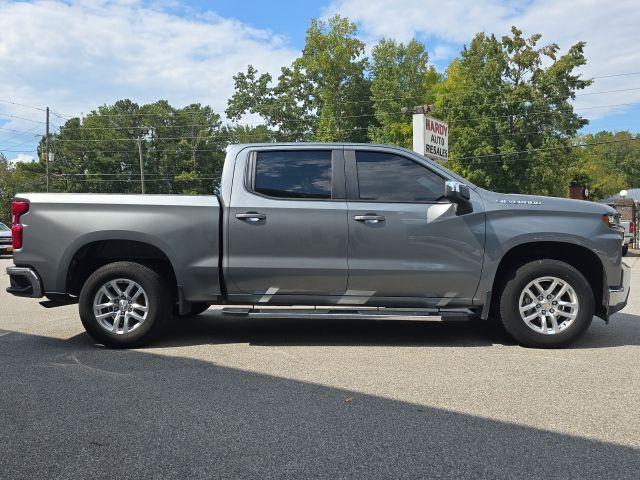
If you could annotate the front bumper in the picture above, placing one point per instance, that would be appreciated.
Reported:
(25, 282)
(618, 296)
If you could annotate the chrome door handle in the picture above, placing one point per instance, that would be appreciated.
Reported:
(371, 218)
(251, 216)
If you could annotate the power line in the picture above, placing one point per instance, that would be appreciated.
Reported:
(301, 121)
(607, 91)
(17, 133)
(475, 157)
(137, 180)
(223, 135)
(21, 118)
(116, 174)
(228, 140)
(220, 110)
(224, 140)
(254, 124)
(17, 143)
(22, 105)
(617, 75)
(543, 149)
(372, 99)
(10, 147)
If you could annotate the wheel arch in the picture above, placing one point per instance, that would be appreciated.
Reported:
(580, 257)
(92, 255)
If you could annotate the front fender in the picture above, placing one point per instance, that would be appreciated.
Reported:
(511, 228)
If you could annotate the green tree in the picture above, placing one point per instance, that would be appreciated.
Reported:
(100, 153)
(14, 178)
(285, 107)
(323, 95)
(400, 77)
(610, 163)
(510, 119)
(6, 190)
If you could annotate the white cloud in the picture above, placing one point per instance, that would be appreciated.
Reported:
(453, 21)
(610, 30)
(22, 158)
(76, 55)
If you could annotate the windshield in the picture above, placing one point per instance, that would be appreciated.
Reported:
(4, 228)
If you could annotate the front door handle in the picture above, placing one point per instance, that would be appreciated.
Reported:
(251, 216)
(370, 218)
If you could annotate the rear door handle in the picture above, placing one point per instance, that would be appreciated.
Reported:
(370, 217)
(251, 216)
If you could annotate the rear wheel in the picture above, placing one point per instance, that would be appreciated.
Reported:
(546, 304)
(124, 304)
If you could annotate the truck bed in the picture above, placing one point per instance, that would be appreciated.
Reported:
(184, 228)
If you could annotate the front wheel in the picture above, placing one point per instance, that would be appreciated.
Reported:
(124, 304)
(546, 304)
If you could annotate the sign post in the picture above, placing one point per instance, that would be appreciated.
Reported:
(430, 137)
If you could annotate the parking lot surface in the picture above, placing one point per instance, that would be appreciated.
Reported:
(228, 398)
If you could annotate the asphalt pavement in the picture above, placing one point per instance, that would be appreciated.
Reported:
(223, 398)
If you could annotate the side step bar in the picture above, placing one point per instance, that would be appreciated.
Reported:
(341, 313)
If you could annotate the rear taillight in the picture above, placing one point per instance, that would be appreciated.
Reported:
(18, 208)
(632, 227)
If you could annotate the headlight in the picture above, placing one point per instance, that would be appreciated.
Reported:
(610, 220)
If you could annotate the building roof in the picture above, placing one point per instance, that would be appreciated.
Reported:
(634, 193)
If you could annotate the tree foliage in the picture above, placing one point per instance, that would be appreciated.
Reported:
(512, 126)
(400, 77)
(100, 153)
(610, 162)
(14, 178)
(323, 95)
(507, 102)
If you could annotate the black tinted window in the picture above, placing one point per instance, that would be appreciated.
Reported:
(294, 174)
(391, 178)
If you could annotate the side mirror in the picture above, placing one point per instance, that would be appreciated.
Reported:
(459, 194)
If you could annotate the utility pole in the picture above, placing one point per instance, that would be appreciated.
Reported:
(141, 164)
(46, 149)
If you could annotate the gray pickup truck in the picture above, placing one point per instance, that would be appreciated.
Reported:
(327, 230)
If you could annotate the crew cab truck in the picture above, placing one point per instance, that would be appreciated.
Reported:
(327, 230)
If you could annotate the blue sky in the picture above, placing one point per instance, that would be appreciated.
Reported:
(289, 18)
(74, 55)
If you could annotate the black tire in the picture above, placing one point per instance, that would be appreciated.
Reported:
(159, 304)
(195, 309)
(625, 250)
(515, 285)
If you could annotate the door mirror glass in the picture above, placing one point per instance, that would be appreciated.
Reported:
(456, 192)
(459, 194)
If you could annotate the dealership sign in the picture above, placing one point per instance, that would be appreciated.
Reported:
(430, 137)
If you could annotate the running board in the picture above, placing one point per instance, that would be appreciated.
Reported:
(341, 313)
